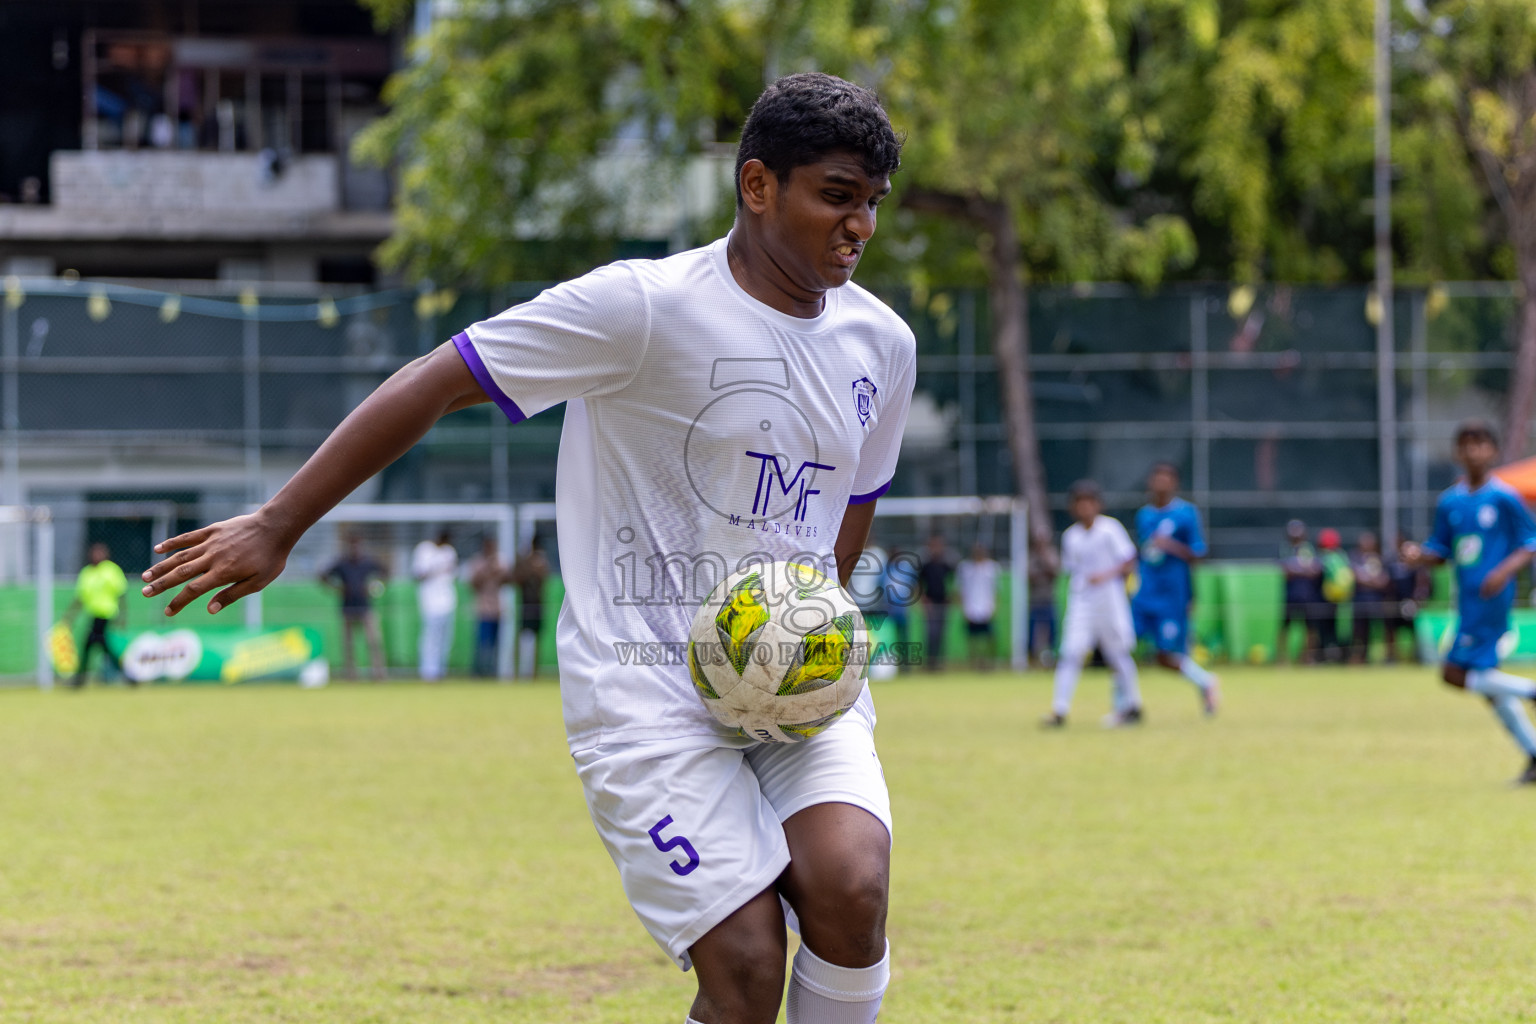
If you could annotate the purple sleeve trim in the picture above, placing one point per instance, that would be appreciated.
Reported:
(864, 499)
(484, 379)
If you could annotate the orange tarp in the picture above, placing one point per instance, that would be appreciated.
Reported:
(1521, 476)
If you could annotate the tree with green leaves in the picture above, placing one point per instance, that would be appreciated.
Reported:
(519, 123)
(1023, 127)
(1470, 90)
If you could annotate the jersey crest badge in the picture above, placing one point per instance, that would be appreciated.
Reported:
(1487, 516)
(864, 392)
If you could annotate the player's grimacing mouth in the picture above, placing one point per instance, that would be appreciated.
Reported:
(848, 253)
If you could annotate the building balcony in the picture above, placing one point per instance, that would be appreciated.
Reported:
(178, 195)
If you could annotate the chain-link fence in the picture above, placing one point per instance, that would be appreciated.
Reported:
(1268, 402)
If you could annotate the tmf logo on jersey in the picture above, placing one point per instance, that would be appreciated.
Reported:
(769, 473)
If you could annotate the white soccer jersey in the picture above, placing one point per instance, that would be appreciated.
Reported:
(704, 431)
(1102, 548)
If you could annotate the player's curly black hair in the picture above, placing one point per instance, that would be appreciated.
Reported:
(802, 118)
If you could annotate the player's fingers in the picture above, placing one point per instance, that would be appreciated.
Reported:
(182, 540)
(171, 570)
(192, 591)
(229, 595)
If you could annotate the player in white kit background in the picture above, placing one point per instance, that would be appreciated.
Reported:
(1099, 555)
(726, 406)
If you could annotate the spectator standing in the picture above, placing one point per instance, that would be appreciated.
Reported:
(529, 574)
(1044, 568)
(357, 577)
(976, 579)
(99, 590)
(435, 564)
(487, 575)
(1412, 587)
(1304, 602)
(1338, 588)
(933, 575)
(901, 587)
(1373, 598)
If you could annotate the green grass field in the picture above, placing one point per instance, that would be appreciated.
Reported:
(1338, 846)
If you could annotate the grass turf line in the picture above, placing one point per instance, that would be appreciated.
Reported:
(1337, 846)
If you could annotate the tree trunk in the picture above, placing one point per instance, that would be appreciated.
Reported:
(1522, 382)
(1010, 347)
(1010, 344)
(1512, 180)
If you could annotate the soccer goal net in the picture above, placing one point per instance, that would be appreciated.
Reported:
(42, 550)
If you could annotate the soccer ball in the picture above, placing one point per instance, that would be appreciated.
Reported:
(778, 652)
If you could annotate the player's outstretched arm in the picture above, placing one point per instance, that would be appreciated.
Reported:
(244, 554)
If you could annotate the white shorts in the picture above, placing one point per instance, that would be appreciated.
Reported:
(696, 831)
(1102, 624)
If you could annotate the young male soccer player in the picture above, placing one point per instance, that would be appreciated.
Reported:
(1168, 529)
(1099, 554)
(725, 406)
(1483, 526)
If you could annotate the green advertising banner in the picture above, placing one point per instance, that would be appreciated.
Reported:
(226, 655)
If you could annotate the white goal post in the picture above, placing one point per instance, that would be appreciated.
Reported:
(515, 525)
(14, 519)
(528, 516)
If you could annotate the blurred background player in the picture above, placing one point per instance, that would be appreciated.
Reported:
(1482, 525)
(934, 574)
(1412, 587)
(529, 574)
(487, 575)
(976, 579)
(1168, 528)
(99, 590)
(435, 564)
(1303, 593)
(899, 587)
(1338, 587)
(1044, 568)
(1373, 599)
(1098, 554)
(355, 577)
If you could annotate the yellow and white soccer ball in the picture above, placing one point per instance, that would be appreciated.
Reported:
(779, 652)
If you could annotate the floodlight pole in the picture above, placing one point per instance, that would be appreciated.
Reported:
(1386, 350)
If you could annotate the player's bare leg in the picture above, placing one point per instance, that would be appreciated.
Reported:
(1206, 682)
(838, 883)
(739, 964)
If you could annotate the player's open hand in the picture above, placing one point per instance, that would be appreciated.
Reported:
(242, 555)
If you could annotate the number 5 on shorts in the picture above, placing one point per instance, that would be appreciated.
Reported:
(676, 842)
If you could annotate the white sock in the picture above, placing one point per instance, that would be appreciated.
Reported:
(823, 993)
(1512, 714)
(1069, 667)
(1192, 671)
(1127, 685)
(1490, 682)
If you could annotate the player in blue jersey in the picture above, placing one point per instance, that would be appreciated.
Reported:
(1482, 525)
(1168, 531)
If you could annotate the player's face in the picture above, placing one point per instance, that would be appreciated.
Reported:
(819, 218)
(1085, 510)
(1162, 486)
(1476, 454)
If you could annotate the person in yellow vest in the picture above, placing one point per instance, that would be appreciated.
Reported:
(99, 590)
